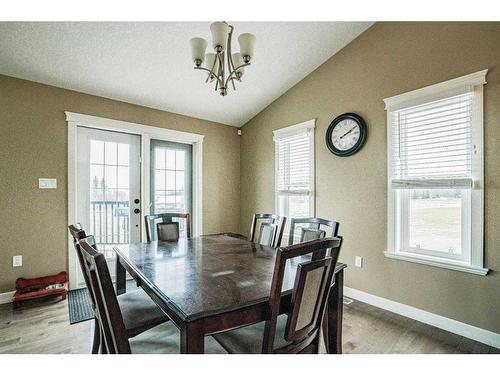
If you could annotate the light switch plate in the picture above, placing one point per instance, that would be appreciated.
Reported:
(17, 261)
(47, 183)
(358, 262)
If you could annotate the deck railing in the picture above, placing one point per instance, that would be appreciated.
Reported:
(110, 221)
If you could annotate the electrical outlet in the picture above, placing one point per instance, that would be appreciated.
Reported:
(358, 262)
(17, 261)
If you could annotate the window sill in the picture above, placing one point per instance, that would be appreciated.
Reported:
(430, 261)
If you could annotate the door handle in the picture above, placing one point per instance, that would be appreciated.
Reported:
(137, 201)
(137, 211)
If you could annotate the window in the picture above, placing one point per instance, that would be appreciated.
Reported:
(170, 177)
(435, 174)
(294, 165)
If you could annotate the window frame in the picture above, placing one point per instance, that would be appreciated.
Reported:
(283, 133)
(474, 260)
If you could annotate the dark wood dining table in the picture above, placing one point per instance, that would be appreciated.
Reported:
(214, 283)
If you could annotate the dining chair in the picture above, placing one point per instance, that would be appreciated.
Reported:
(139, 312)
(298, 330)
(310, 229)
(110, 317)
(262, 219)
(152, 221)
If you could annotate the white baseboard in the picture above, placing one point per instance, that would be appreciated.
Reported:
(454, 326)
(6, 297)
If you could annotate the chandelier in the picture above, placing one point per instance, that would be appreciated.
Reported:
(223, 67)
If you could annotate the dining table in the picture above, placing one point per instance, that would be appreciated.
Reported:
(213, 283)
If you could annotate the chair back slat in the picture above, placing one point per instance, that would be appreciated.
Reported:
(151, 222)
(308, 234)
(267, 234)
(308, 226)
(259, 220)
(312, 283)
(167, 231)
(108, 311)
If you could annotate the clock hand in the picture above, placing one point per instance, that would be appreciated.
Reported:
(342, 136)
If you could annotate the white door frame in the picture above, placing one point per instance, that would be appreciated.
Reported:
(147, 133)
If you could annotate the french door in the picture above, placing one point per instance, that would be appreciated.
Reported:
(108, 189)
(171, 178)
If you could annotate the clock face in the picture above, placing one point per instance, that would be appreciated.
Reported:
(346, 134)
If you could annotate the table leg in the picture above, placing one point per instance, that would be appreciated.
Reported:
(193, 338)
(121, 282)
(332, 321)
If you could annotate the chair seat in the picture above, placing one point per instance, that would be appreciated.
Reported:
(165, 339)
(248, 340)
(139, 312)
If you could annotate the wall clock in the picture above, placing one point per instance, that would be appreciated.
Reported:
(346, 134)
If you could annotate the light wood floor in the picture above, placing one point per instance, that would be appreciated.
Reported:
(44, 328)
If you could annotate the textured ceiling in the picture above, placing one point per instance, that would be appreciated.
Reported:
(149, 63)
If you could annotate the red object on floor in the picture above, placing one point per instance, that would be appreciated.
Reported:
(40, 287)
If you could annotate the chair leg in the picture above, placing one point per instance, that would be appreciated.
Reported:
(97, 338)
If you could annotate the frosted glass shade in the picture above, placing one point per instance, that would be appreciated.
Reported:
(209, 62)
(247, 44)
(220, 32)
(237, 61)
(198, 47)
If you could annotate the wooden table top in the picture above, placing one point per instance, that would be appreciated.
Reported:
(206, 275)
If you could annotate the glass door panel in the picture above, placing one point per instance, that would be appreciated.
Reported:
(171, 178)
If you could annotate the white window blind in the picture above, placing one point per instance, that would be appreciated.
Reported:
(294, 185)
(293, 155)
(432, 144)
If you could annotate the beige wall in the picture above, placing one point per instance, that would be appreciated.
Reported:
(33, 143)
(386, 60)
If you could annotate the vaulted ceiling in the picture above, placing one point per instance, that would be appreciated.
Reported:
(149, 63)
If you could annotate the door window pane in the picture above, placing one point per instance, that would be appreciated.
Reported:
(97, 152)
(170, 159)
(110, 153)
(110, 192)
(123, 154)
(172, 177)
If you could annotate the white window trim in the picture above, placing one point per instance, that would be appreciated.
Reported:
(147, 133)
(434, 92)
(306, 126)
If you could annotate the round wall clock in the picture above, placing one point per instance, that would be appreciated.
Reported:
(346, 134)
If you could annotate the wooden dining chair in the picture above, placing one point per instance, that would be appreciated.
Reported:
(152, 221)
(260, 219)
(297, 331)
(140, 313)
(310, 229)
(112, 321)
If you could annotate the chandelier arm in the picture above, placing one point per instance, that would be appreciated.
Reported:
(211, 75)
(208, 70)
(235, 70)
(230, 62)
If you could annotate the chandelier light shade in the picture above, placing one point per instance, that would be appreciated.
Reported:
(223, 67)
(198, 48)
(247, 43)
(220, 32)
